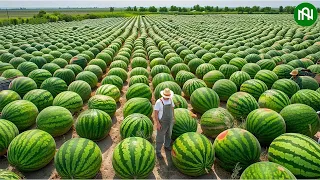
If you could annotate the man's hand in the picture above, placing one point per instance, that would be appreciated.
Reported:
(158, 126)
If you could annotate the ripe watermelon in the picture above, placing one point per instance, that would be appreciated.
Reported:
(183, 76)
(211, 77)
(137, 105)
(39, 75)
(224, 88)
(31, 150)
(140, 71)
(204, 69)
(254, 87)
(302, 154)
(5, 174)
(6, 97)
(78, 158)
(184, 123)
(251, 68)
(179, 67)
(69, 100)
(38, 60)
(27, 67)
(266, 170)
(309, 83)
(228, 69)
(65, 74)
(216, 120)
(136, 125)
(75, 68)
(82, 88)
(308, 97)
(193, 154)
(239, 77)
(138, 79)
(114, 80)
(39, 97)
(104, 103)
(287, 86)
(51, 67)
(191, 85)
(240, 104)
(301, 118)
(8, 131)
(109, 90)
(95, 69)
(265, 125)
(274, 99)
(283, 71)
(11, 73)
(179, 101)
(204, 99)
(100, 63)
(119, 72)
(217, 62)
(238, 62)
(168, 84)
(267, 77)
(88, 77)
(161, 77)
(140, 154)
(267, 64)
(79, 60)
(159, 69)
(21, 112)
(22, 85)
(237, 154)
(54, 85)
(139, 90)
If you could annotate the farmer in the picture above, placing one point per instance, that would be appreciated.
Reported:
(295, 77)
(164, 120)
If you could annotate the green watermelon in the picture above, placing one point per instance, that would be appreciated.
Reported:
(79, 60)
(238, 62)
(287, 86)
(267, 64)
(159, 69)
(31, 150)
(267, 77)
(251, 68)
(95, 69)
(301, 118)
(179, 67)
(232, 149)
(119, 72)
(27, 67)
(140, 71)
(308, 97)
(183, 76)
(100, 63)
(114, 80)
(38, 60)
(6, 97)
(191, 85)
(274, 99)
(239, 77)
(51, 67)
(240, 104)
(75, 68)
(211, 77)
(215, 121)
(265, 125)
(195, 63)
(204, 69)
(309, 83)
(5, 66)
(88, 77)
(228, 69)
(104, 103)
(283, 71)
(22, 85)
(69, 100)
(139, 90)
(11, 73)
(179, 101)
(173, 61)
(54, 85)
(136, 125)
(78, 158)
(224, 88)
(139, 62)
(184, 122)
(167, 84)
(254, 87)
(161, 77)
(39, 75)
(217, 62)
(8, 131)
(137, 105)
(82, 88)
(109, 90)
(65, 74)
(39, 97)
(193, 154)
(5, 174)
(203, 99)
(140, 157)
(302, 154)
(138, 79)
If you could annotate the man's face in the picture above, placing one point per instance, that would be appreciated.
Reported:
(166, 98)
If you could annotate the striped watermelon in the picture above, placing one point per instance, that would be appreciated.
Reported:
(27, 67)
(161, 77)
(39, 75)
(75, 68)
(308, 97)
(267, 77)
(265, 125)
(119, 72)
(267, 64)
(254, 87)
(22, 85)
(51, 67)
(195, 63)
(31, 150)
(109, 90)
(78, 158)
(159, 69)
(309, 83)
(191, 85)
(274, 99)
(133, 158)
(302, 154)
(193, 154)
(5, 174)
(240, 104)
(55, 120)
(136, 125)
(139, 90)
(65, 74)
(93, 124)
(8, 131)
(179, 101)
(88, 77)
(114, 80)
(11, 73)
(204, 99)
(266, 170)
(236, 147)
(215, 121)
(183, 76)
(21, 112)
(138, 79)
(184, 123)
(168, 84)
(69, 100)
(82, 88)
(95, 69)
(238, 62)
(6, 97)
(204, 69)
(224, 88)
(39, 97)
(211, 77)
(287, 86)
(251, 68)
(239, 77)
(140, 71)
(104, 103)
(137, 105)
(79, 60)
(4, 67)
(318, 90)
(228, 69)
(283, 71)
(39, 61)
(54, 85)
(179, 67)
(301, 118)
(100, 63)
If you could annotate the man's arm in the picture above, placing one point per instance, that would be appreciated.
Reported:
(156, 120)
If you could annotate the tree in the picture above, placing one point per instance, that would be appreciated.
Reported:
(111, 9)
(255, 8)
(163, 9)
(240, 9)
(226, 9)
(318, 9)
(184, 9)
(41, 13)
(129, 9)
(173, 8)
(247, 9)
(281, 9)
(217, 9)
(152, 9)
(197, 7)
(135, 8)
(142, 9)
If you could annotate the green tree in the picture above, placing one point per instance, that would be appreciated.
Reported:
(226, 9)
(184, 9)
(289, 9)
(281, 9)
(173, 8)
(318, 9)
(197, 7)
(41, 13)
(152, 9)
(255, 8)
(135, 8)
(142, 9)
(163, 9)
(240, 9)
(129, 9)
(217, 9)
(111, 9)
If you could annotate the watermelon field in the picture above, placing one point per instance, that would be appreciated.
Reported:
(81, 95)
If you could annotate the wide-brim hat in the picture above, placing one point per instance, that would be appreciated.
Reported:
(167, 93)
(294, 72)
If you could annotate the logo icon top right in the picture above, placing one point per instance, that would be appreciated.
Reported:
(305, 14)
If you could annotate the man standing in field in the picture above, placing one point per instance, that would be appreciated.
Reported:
(164, 120)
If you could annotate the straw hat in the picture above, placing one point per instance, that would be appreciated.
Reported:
(167, 93)
(294, 72)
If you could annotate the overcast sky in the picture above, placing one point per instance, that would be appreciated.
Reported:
(125, 3)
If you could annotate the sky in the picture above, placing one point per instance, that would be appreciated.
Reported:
(157, 3)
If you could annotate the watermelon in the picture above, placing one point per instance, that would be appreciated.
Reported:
(140, 157)
(179, 101)
(75, 68)
(173, 61)
(318, 90)
(204, 99)
(39, 97)
(139, 62)
(265, 125)
(39, 75)
(240, 104)
(65, 74)
(283, 71)
(253, 58)
(21, 112)
(254, 87)
(309, 83)
(287, 86)
(183, 76)
(204, 69)
(22, 85)
(7, 96)
(95, 69)
(239, 77)
(215, 121)
(191, 85)
(251, 68)
(38, 60)
(88, 77)
(193, 154)
(54, 85)
(211, 77)
(229, 156)
(119, 64)
(266, 170)
(228, 69)
(136, 125)
(195, 63)
(140, 71)
(31, 150)
(138, 79)
(167, 84)
(104, 103)
(5, 174)
(27, 67)
(267, 64)
(105, 57)
(238, 62)
(79, 60)
(4, 67)
(274, 99)
(100, 63)
(184, 123)
(308, 97)
(139, 90)
(137, 105)
(78, 158)
(267, 77)
(55, 120)
(69, 100)
(179, 67)
(301, 118)
(82, 88)
(217, 62)
(8, 131)
(109, 90)
(157, 61)
(93, 124)
(161, 77)
(11, 73)
(224, 88)
(119, 72)
(51, 67)
(114, 80)
(159, 69)
(302, 154)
